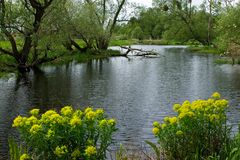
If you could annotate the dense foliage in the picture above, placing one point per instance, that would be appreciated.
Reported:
(70, 134)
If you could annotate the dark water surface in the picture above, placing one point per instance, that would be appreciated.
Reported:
(136, 91)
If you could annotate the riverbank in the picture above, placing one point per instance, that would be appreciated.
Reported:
(8, 64)
(62, 56)
(204, 49)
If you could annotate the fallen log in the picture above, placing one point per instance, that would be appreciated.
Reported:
(139, 52)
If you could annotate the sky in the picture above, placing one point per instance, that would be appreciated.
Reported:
(148, 3)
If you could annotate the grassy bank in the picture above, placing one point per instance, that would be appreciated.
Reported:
(115, 42)
(60, 55)
(204, 49)
(82, 57)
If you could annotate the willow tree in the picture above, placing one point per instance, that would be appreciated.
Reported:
(20, 24)
(106, 13)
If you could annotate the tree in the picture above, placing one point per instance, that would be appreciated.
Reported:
(184, 11)
(106, 14)
(24, 21)
(138, 33)
(229, 33)
(152, 22)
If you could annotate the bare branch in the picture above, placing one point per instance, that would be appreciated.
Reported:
(116, 16)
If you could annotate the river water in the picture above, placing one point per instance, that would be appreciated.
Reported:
(135, 91)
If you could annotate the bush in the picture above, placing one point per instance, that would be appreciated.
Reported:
(66, 135)
(198, 131)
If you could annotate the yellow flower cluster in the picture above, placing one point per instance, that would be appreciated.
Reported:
(19, 121)
(75, 121)
(103, 123)
(210, 110)
(35, 129)
(155, 130)
(34, 112)
(112, 122)
(91, 115)
(90, 151)
(56, 128)
(25, 157)
(99, 112)
(60, 151)
(67, 111)
(50, 133)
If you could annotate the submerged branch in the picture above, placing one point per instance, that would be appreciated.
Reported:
(140, 52)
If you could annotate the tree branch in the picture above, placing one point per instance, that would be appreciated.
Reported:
(4, 51)
(116, 16)
(5, 31)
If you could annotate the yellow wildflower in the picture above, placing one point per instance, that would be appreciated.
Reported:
(156, 124)
(164, 125)
(213, 117)
(88, 109)
(60, 151)
(216, 95)
(173, 120)
(182, 115)
(90, 151)
(224, 102)
(18, 122)
(25, 157)
(35, 128)
(112, 122)
(166, 119)
(50, 133)
(34, 112)
(186, 104)
(75, 121)
(66, 111)
(176, 107)
(103, 123)
(31, 120)
(78, 113)
(179, 133)
(49, 113)
(55, 118)
(91, 115)
(155, 130)
(99, 112)
(221, 103)
(190, 114)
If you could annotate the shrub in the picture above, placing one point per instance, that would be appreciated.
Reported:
(198, 131)
(70, 134)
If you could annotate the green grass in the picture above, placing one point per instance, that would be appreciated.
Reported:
(115, 42)
(226, 60)
(204, 49)
(66, 57)
(155, 42)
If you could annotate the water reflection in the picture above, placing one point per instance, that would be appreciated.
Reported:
(136, 92)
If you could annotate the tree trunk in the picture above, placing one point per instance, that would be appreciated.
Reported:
(103, 43)
(210, 22)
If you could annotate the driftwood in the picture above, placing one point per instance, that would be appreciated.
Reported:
(140, 52)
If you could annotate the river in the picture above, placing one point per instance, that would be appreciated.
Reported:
(135, 91)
